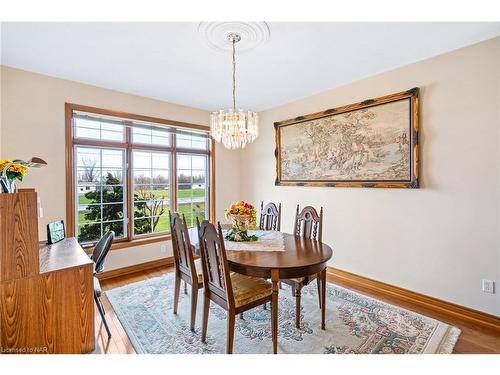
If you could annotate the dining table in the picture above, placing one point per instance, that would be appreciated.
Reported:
(301, 257)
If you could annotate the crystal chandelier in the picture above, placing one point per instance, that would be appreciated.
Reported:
(235, 129)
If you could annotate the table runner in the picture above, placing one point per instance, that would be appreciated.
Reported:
(268, 241)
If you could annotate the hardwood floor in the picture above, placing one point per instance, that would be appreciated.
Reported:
(472, 340)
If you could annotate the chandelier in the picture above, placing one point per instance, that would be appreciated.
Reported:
(235, 129)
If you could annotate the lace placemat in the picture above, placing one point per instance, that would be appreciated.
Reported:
(268, 241)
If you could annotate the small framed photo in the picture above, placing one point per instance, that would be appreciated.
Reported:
(55, 232)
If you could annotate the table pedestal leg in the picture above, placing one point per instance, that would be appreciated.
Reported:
(274, 311)
(323, 298)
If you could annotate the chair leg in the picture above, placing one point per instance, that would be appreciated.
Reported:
(297, 306)
(204, 323)
(102, 307)
(101, 312)
(241, 315)
(265, 306)
(323, 298)
(281, 287)
(177, 288)
(194, 301)
(185, 288)
(230, 332)
(318, 282)
(293, 290)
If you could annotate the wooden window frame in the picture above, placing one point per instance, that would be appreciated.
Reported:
(128, 146)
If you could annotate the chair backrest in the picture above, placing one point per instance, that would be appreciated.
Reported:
(308, 223)
(181, 244)
(216, 279)
(270, 216)
(101, 249)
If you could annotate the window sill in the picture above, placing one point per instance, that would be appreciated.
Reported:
(140, 241)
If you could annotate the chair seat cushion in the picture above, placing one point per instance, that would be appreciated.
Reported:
(97, 287)
(247, 289)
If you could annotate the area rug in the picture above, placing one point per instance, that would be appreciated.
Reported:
(354, 324)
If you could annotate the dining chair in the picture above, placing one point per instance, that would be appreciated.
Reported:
(270, 219)
(307, 224)
(232, 291)
(270, 216)
(186, 267)
(98, 256)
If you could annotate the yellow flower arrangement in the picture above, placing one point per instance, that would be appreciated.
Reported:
(243, 218)
(243, 209)
(15, 171)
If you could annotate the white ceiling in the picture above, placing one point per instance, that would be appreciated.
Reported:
(170, 61)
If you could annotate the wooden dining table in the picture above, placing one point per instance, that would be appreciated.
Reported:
(301, 257)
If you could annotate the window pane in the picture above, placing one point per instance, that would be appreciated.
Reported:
(141, 188)
(142, 226)
(147, 192)
(112, 193)
(192, 187)
(183, 162)
(160, 161)
(112, 211)
(141, 209)
(193, 140)
(159, 176)
(141, 138)
(151, 191)
(111, 132)
(198, 162)
(161, 223)
(112, 159)
(94, 128)
(89, 214)
(184, 176)
(112, 176)
(142, 176)
(193, 211)
(150, 207)
(88, 176)
(116, 226)
(198, 177)
(160, 137)
(150, 136)
(87, 129)
(100, 192)
(88, 193)
(89, 232)
(88, 158)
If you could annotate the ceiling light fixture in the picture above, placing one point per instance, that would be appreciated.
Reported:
(235, 129)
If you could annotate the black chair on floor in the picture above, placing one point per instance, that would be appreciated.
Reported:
(101, 249)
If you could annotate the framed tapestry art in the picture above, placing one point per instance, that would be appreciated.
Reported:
(373, 143)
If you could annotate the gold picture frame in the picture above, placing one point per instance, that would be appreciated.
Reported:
(372, 144)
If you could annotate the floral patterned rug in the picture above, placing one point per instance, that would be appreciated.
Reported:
(354, 324)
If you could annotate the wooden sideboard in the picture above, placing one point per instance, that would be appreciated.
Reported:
(46, 292)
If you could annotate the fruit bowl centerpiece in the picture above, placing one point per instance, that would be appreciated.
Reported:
(242, 217)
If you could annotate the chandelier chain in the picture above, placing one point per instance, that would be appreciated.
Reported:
(234, 76)
(234, 129)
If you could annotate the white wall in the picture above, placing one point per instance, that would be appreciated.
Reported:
(32, 115)
(440, 240)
